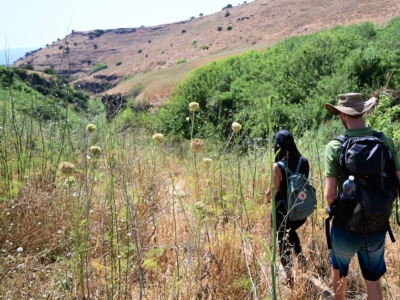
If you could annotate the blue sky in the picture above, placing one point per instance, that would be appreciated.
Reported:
(35, 23)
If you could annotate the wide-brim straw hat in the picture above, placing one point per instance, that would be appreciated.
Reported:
(351, 104)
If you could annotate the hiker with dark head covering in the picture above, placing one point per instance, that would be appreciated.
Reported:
(287, 156)
(370, 162)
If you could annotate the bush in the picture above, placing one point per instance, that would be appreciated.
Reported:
(118, 63)
(204, 47)
(227, 14)
(201, 14)
(181, 61)
(183, 31)
(75, 44)
(49, 71)
(95, 46)
(139, 51)
(28, 67)
(98, 32)
(98, 67)
(149, 41)
(60, 47)
(229, 28)
(161, 62)
(219, 28)
(91, 36)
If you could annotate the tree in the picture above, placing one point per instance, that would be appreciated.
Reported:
(201, 14)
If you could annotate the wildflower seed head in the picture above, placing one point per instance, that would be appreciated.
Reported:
(207, 161)
(200, 205)
(197, 145)
(70, 180)
(193, 106)
(236, 126)
(187, 119)
(95, 150)
(20, 249)
(90, 128)
(67, 168)
(158, 137)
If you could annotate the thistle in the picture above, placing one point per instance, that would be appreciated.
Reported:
(67, 168)
(95, 150)
(207, 161)
(193, 106)
(197, 145)
(158, 137)
(236, 126)
(90, 128)
(70, 180)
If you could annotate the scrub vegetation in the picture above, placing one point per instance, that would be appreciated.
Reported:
(170, 203)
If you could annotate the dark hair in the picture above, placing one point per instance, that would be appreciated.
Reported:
(284, 146)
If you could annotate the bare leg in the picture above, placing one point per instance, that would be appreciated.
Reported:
(339, 285)
(374, 289)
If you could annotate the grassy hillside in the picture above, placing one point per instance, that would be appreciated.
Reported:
(116, 210)
(150, 52)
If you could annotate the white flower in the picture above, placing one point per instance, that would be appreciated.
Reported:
(20, 266)
(59, 231)
(129, 234)
(20, 249)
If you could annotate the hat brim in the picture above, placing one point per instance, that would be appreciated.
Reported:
(352, 111)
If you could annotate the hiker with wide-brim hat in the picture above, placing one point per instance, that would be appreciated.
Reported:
(345, 243)
(351, 104)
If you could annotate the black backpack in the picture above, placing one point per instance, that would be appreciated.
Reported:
(371, 163)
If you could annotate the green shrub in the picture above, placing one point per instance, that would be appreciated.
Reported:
(91, 36)
(149, 41)
(49, 71)
(95, 46)
(28, 67)
(98, 32)
(60, 47)
(229, 28)
(47, 55)
(139, 51)
(118, 63)
(204, 47)
(227, 14)
(219, 28)
(201, 14)
(181, 61)
(98, 67)
(161, 62)
(75, 44)
(183, 31)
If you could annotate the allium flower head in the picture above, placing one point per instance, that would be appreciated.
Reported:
(90, 128)
(193, 106)
(70, 180)
(187, 119)
(158, 137)
(207, 161)
(20, 249)
(236, 126)
(200, 205)
(67, 168)
(95, 150)
(197, 145)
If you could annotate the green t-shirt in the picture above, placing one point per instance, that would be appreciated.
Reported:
(332, 153)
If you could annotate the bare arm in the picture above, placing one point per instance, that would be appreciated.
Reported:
(330, 189)
(277, 181)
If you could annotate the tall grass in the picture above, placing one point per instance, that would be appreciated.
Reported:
(140, 220)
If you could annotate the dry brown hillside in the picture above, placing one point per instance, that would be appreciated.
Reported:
(149, 55)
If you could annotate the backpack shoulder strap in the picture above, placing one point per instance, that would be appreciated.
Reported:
(299, 164)
(282, 164)
(341, 138)
(377, 134)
